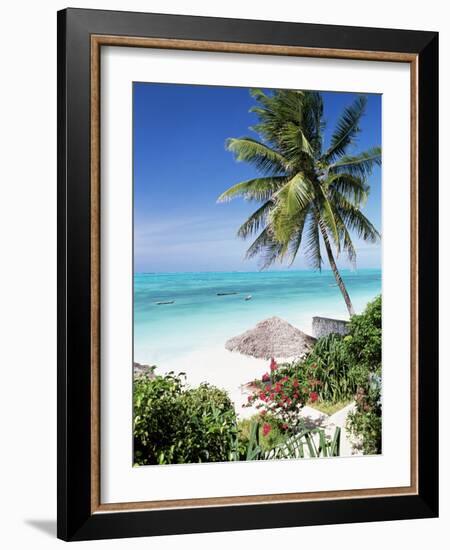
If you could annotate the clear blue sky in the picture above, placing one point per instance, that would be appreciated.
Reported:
(181, 167)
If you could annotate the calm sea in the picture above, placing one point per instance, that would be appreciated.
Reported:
(199, 318)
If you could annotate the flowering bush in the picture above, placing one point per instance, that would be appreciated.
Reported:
(283, 393)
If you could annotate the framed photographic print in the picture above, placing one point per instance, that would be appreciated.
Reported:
(247, 274)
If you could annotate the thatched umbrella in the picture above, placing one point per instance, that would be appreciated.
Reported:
(143, 370)
(272, 337)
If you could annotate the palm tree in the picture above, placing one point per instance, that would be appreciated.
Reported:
(305, 193)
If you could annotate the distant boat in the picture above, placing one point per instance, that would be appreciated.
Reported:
(164, 303)
(249, 297)
(226, 293)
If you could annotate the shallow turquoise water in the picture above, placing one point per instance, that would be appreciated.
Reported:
(201, 319)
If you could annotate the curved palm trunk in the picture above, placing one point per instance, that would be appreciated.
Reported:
(336, 273)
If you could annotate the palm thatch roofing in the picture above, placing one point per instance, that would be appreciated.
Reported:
(272, 337)
(143, 370)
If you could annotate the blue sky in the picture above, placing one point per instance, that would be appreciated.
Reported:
(181, 167)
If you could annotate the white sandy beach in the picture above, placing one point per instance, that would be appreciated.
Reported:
(222, 368)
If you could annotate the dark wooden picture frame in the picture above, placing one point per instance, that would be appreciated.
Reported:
(81, 34)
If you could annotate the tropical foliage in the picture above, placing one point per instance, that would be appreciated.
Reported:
(334, 368)
(308, 195)
(364, 349)
(175, 424)
(339, 369)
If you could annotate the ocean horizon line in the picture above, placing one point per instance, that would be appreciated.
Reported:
(313, 272)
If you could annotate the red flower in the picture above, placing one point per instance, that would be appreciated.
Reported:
(295, 383)
(273, 364)
(266, 429)
(266, 377)
(249, 398)
(284, 427)
(314, 396)
(295, 396)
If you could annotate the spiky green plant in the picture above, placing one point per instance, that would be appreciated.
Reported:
(306, 193)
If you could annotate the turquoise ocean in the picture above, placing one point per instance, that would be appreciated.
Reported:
(200, 319)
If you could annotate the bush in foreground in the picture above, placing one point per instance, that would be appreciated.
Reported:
(174, 424)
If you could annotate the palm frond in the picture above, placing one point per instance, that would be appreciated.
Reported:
(297, 237)
(283, 122)
(347, 243)
(254, 222)
(347, 129)
(354, 219)
(296, 194)
(326, 215)
(294, 141)
(313, 124)
(360, 165)
(266, 247)
(312, 244)
(265, 159)
(352, 187)
(257, 189)
(282, 224)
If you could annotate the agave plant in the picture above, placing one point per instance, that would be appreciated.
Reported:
(308, 443)
(306, 193)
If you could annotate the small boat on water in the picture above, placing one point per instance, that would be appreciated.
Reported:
(165, 303)
(226, 293)
(249, 297)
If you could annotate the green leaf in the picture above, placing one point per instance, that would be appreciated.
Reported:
(257, 189)
(264, 158)
(346, 130)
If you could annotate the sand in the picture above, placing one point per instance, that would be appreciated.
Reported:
(222, 368)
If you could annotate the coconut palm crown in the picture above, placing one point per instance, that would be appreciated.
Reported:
(309, 197)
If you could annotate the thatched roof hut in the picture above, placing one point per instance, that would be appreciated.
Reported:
(143, 370)
(272, 337)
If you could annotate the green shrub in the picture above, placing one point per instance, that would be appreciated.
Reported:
(365, 421)
(363, 342)
(364, 349)
(333, 367)
(175, 424)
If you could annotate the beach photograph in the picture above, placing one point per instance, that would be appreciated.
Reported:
(257, 306)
